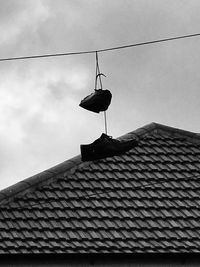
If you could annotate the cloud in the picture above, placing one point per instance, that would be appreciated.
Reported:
(41, 123)
(17, 17)
(39, 117)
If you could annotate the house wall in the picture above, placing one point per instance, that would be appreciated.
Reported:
(143, 261)
(98, 265)
(132, 265)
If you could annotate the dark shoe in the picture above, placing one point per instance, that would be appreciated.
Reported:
(97, 101)
(104, 147)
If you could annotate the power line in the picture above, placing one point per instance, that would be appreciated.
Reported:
(100, 50)
(147, 185)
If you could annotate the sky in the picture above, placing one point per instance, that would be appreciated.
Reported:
(41, 123)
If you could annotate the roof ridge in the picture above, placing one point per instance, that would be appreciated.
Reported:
(172, 131)
(39, 179)
(142, 131)
(161, 128)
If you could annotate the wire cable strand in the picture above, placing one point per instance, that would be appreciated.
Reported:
(88, 196)
(100, 50)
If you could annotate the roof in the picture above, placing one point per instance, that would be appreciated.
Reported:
(145, 200)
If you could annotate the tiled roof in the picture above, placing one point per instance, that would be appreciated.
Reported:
(145, 200)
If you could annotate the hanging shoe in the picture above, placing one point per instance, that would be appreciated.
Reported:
(105, 146)
(97, 101)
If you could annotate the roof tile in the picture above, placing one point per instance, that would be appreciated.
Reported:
(146, 200)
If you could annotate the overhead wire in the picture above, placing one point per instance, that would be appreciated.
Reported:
(100, 50)
(105, 191)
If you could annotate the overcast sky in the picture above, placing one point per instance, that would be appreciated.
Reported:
(41, 123)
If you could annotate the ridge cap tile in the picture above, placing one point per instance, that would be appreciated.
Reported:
(39, 179)
(122, 213)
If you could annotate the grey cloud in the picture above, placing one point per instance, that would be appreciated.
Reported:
(150, 83)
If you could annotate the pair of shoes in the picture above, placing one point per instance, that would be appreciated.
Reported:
(105, 146)
(97, 101)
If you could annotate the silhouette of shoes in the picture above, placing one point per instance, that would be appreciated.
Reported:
(105, 146)
(97, 101)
